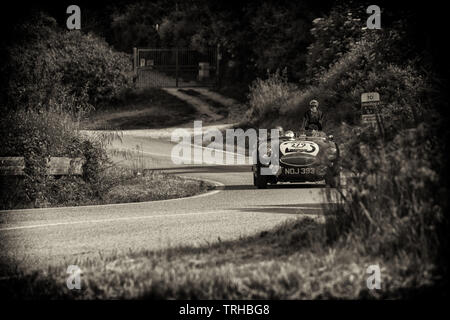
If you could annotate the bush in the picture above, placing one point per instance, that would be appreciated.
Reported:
(390, 202)
(267, 97)
(403, 92)
(333, 37)
(37, 136)
(63, 70)
(56, 76)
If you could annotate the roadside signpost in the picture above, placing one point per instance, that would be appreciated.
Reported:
(370, 111)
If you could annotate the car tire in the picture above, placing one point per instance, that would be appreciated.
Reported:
(259, 181)
(331, 182)
(332, 179)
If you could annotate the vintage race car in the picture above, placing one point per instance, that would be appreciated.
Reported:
(301, 158)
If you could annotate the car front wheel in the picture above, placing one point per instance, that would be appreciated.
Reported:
(332, 179)
(259, 181)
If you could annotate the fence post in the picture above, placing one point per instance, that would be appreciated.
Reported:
(135, 61)
(176, 67)
(218, 58)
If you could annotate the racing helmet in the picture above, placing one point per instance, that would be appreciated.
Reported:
(289, 134)
(280, 130)
(314, 102)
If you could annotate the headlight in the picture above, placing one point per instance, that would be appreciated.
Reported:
(332, 153)
(289, 134)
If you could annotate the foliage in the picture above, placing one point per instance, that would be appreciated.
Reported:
(267, 97)
(333, 37)
(37, 136)
(63, 70)
(56, 77)
(405, 92)
(135, 25)
(390, 201)
(281, 37)
(254, 36)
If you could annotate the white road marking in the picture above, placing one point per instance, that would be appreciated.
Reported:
(56, 224)
(248, 160)
(107, 220)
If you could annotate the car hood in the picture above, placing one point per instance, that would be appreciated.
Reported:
(303, 152)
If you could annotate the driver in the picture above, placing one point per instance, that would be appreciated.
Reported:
(313, 118)
(280, 130)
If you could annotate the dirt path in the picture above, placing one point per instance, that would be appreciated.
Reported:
(236, 110)
(203, 108)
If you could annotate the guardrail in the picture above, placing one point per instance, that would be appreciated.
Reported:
(57, 166)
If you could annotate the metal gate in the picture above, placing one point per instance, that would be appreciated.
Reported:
(175, 67)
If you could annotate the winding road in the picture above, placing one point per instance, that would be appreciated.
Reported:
(37, 238)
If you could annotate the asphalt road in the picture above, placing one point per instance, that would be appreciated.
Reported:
(39, 237)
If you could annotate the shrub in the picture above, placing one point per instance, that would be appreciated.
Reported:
(403, 92)
(269, 96)
(95, 161)
(333, 37)
(56, 76)
(63, 70)
(37, 136)
(390, 203)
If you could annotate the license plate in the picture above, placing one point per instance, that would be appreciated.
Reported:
(297, 171)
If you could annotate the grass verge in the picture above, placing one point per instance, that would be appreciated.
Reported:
(116, 185)
(296, 260)
(150, 186)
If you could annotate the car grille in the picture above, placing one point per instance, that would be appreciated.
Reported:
(298, 160)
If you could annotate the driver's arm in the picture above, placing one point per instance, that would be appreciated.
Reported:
(322, 119)
(305, 121)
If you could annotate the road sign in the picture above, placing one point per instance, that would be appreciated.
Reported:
(370, 110)
(369, 119)
(370, 97)
(370, 102)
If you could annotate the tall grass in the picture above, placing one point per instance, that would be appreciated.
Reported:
(37, 136)
(268, 97)
(391, 206)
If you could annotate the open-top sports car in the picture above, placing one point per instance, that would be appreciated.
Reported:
(301, 158)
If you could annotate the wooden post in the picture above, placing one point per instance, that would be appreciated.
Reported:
(176, 67)
(135, 54)
(218, 58)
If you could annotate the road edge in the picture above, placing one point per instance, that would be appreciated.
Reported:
(216, 184)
